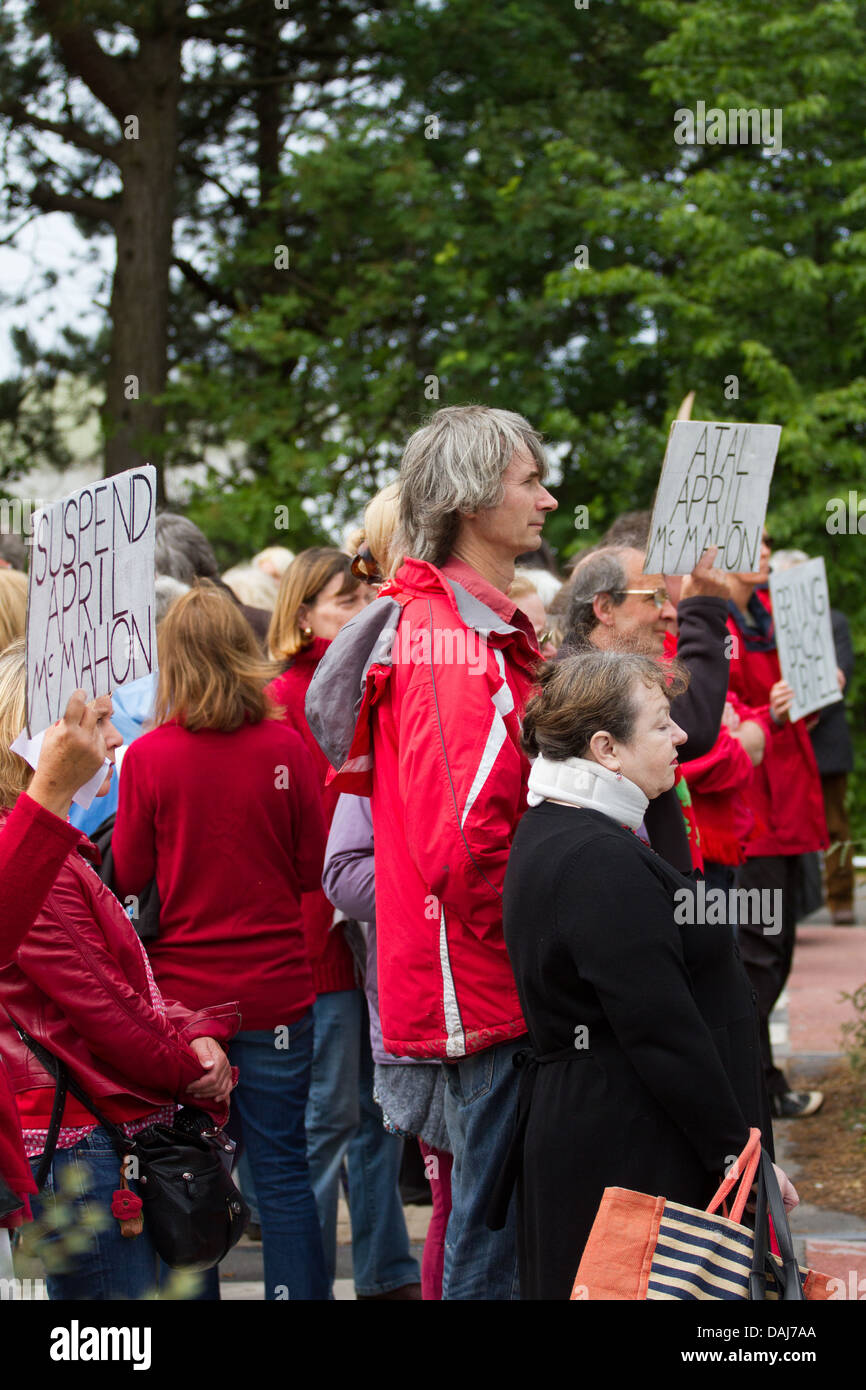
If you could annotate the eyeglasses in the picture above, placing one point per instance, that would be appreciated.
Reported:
(659, 596)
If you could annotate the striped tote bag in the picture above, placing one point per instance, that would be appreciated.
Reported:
(647, 1248)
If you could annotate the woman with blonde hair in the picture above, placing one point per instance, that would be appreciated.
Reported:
(78, 983)
(13, 606)
(376, 558)
(219, 803)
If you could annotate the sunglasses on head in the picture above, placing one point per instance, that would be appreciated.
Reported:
(364, 567)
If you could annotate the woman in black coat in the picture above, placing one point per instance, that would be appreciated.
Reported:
(646, 1070)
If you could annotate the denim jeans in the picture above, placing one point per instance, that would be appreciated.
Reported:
(480, 1107)
(84, 1250)
(271, 1097)
(343, 1121)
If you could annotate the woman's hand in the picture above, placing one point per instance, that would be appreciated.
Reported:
(789, 1192)
(781, 699)
(216, 1084)
(790, 1195)
(72, 750)
(750, 734)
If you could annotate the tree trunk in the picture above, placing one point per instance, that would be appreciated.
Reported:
(133, 420)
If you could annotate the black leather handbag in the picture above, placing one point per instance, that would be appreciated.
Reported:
(192, 1209)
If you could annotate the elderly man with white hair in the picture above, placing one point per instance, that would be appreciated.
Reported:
(417, 704)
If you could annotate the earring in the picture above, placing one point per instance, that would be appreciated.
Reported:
(307, 631)
(618, 775)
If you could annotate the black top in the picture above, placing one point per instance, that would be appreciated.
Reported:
(831, 738)
(654, 1077)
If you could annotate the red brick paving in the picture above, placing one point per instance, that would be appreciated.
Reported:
(827, 960)
(843, 1260)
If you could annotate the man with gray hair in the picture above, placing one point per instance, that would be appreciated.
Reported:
(417, 704)
(614, 606)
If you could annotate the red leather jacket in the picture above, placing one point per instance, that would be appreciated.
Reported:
(78, 985)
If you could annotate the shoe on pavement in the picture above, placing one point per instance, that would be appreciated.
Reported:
(407, 1291)
(794, 1105)
(843, 917)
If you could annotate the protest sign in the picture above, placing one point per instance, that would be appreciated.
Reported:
(804, 635)
(713, 490)
(90, 602)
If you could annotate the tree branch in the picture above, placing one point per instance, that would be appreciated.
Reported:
(67, 130)
(83, 56)
(97, 209)
(194, 277)
(236, 201)
(8, 240)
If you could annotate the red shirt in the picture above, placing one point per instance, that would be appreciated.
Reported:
(231, 825)
(330, 957)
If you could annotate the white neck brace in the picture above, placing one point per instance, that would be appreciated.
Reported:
(580, 782)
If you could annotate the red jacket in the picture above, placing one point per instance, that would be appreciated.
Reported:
(78, 984)
(718, 782)
(785, 796)
(33, 846)
(230, 825)
(445, 663)
(330, 957)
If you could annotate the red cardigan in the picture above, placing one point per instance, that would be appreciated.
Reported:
(33, 846)
(231, 825)
(331, 959)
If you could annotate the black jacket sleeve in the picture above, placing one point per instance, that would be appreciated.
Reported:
(842, 643)
(701, 648)
(627, 946)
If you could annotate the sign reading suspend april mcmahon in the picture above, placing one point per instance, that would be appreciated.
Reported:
(90, 600)
(804, 635)
(713, 490)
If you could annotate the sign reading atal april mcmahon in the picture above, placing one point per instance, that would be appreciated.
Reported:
(713, 490)
(804, 635)
(90, 603)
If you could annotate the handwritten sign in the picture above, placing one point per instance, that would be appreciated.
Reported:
(713, 490)
(90, 603)
(804, 635)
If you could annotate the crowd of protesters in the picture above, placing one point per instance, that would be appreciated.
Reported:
(392, 850)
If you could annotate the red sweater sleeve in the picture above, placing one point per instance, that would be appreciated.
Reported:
(727, 767)
(34, 844)
(308, 818)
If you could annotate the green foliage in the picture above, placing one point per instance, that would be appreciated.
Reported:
(458, 258)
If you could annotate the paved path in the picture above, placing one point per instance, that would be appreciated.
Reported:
(806, 1029)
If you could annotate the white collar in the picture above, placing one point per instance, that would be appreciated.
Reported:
(581, 782)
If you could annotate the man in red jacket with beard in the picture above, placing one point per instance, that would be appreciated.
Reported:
(445, 662)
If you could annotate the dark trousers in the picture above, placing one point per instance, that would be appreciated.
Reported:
(838, 863)
(767, 954)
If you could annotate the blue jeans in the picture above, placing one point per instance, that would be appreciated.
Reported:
(110, 1265)
(480, 1108)
(271, 1097)
(343, 1121)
